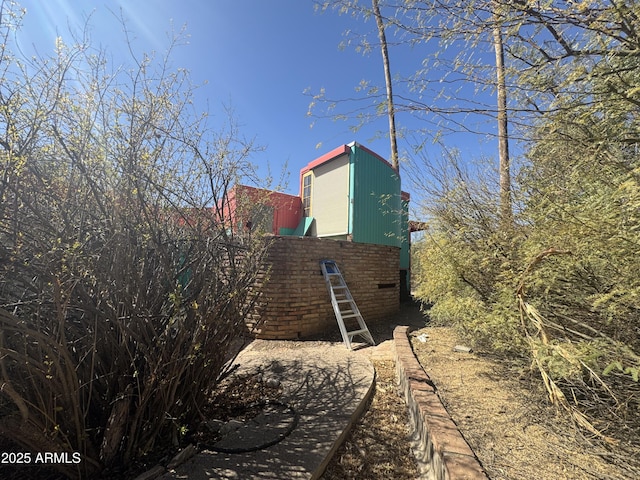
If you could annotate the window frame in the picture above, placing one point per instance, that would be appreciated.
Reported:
(307, 192)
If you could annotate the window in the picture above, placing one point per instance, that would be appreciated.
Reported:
(261, 219)
(306, 195)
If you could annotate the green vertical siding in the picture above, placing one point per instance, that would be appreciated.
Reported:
(405, 259)
(376, 209)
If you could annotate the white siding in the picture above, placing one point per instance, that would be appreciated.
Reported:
(330, 203)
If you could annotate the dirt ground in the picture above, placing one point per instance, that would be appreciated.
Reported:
(377, 447)
(505, 417)
(502, 411)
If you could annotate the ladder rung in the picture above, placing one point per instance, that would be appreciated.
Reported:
(358, 332)
(352, 315)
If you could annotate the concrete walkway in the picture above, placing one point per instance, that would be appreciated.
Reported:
(327, 386)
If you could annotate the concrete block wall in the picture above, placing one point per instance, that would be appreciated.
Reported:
(295, 302)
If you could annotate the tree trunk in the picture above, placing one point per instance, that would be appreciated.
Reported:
(503, 135)
(387, 78)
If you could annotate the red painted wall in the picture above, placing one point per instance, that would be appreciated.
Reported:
(287, 209)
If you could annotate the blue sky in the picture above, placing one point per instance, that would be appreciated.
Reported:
(256, 56)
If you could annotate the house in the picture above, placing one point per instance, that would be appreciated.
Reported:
(349, 194)
(352, 193)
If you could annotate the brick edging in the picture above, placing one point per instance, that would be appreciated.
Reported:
(438, 445)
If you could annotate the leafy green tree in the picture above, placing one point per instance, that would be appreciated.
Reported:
(571, 255)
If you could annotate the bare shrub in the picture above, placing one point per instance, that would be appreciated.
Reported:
(122, 291)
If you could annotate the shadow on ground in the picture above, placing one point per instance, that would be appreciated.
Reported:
(327, 387)
(410, 314)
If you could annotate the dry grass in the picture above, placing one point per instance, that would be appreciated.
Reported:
(504, 415)
(501, 411)
(378, 446)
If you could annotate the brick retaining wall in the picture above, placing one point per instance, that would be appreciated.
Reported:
(440, 448)
(295, 301)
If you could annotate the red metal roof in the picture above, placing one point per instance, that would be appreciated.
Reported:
(336, 152)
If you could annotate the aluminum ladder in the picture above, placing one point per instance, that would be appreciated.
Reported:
(344, 306)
